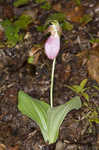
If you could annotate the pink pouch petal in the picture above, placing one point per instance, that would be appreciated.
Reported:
(52, 46)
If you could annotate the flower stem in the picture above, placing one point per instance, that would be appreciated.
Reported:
(52, 81)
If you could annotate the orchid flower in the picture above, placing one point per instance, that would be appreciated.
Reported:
(48, 117)
(52, 45)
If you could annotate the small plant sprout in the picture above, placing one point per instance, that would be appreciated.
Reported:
(80, 89)
(48, 117)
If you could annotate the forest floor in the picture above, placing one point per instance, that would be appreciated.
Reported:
(77, 60)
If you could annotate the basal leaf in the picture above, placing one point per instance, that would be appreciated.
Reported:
(34, 109)
(56, 116)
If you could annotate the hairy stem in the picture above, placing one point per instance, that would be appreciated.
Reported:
(52, 81)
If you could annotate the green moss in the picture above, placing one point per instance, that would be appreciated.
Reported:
(12, 29)
(23, 22)
(60, 17)
(78, 2)
(67, 26)
(94, 40)
(85, 19)
(18, 3)
(30, 60)
(46, 6)
(41, 28)
(40, 1)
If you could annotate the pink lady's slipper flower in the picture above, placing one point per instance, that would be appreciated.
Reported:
(52, 45)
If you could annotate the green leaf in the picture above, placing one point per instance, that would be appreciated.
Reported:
(83, 90)
(70, 87)
(85, 95)
(83, 83)
(18, 3)
(34, 109)
(56, 116)
(49, 119)
(77, 88)
(96, 87)
(96, 120)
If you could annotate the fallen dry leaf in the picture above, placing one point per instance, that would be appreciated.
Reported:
(73, 12)
(1, 35)
(57, 7)
(2, 147)
(93, 64)
(35, 52)
(8, 11)
(90, 57)
(16, 147)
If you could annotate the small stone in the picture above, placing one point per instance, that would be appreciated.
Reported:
(59, 146)
(71, 147)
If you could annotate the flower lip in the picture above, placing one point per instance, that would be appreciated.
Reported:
(52, 44)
